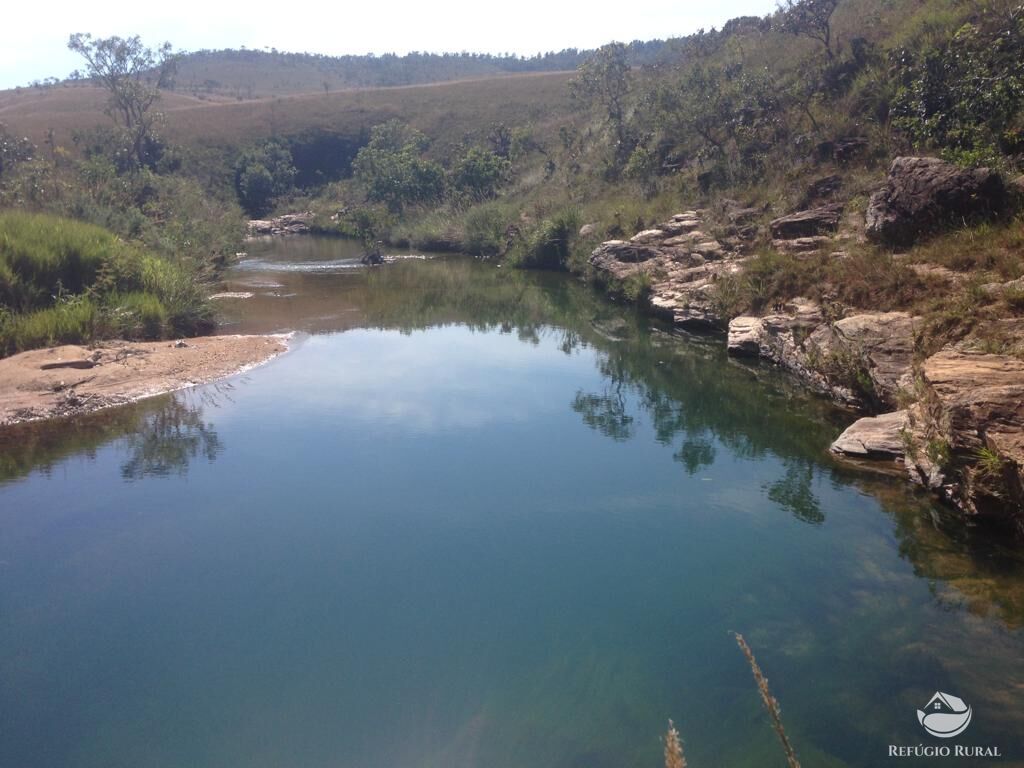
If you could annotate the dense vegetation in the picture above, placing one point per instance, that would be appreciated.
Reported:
(746, 116)
(65, 281)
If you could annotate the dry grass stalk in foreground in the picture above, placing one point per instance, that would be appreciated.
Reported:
(674, 757)
(770, 703)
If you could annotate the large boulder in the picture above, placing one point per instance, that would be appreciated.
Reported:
(923, 195)
(817, 221)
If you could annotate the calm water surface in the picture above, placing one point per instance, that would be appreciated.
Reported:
(478, 518)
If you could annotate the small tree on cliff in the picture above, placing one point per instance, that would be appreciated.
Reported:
(810, 18)
(133, 75)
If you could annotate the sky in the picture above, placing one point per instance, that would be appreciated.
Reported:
(33, 39)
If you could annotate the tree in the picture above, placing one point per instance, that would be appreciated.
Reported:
(262, 174)
(133, 75)
(604, 79)
(392, 169)
(810, 18)
(480, 172)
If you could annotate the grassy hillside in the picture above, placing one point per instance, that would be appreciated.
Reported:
(512, 165)
(446, 111)
(247, 75)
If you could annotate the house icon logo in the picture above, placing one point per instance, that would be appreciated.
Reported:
(945, 716)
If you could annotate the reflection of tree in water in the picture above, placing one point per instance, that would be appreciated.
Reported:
(605, 412)
(793, 492)
(693, 397)
(696, 454)
(166, 440)
(162, 435)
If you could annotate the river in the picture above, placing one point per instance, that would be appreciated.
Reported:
(478, 517)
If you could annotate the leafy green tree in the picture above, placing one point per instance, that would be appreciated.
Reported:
(480, 173)
(965, 96)
(133, 76)
(392, 169)
(604, 79)
(263, 174)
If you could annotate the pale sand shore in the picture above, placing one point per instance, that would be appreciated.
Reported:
(71, 379)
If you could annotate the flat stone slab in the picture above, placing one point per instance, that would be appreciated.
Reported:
(874, 436)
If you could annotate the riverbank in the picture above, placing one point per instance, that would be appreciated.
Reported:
(71, 380)
(933, 358)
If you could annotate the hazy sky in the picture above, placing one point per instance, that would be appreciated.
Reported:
(33, 38)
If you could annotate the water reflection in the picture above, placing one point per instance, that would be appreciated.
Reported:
(160, 436)
(460, 549)
(166, 440)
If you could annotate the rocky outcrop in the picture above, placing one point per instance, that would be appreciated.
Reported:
(811, 223)
(288, 224)
(679, 262)
(924, 195)
(982, 401)
(863, 361)
(885, 343)
(968, 432)
(875, 437)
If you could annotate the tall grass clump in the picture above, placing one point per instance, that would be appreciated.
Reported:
(487, 227)
(68, 321)
(63, 281)
(42, 257)
(548, 245)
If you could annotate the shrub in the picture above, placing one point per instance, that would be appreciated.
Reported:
(549, 244)
(136, 315)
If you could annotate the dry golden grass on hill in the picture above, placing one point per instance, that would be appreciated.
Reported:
(446, 111)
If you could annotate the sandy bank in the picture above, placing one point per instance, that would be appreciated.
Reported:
(69, 380)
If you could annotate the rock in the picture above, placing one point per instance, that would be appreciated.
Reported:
(885, 342)
(974, 404)
(620, 259)
(982, 400)
(288, 224)
(817, 221)
(924, 195)
(682, 264)
(648, 236)
(587, 230)
(745, 335)
(872, 351)
(801, 244)
(821, 190)
(711, 249)
(875, 436)
(842, 150)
